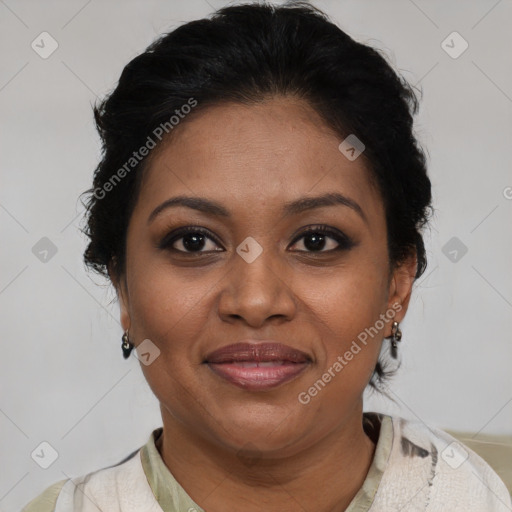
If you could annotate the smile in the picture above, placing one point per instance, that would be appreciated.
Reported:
(259, 366)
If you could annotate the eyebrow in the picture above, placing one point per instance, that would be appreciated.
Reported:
(295, 207)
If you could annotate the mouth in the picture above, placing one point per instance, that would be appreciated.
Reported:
(257, 366)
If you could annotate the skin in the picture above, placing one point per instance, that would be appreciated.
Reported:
(233, 449)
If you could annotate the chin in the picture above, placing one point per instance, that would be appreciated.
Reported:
(262, 427)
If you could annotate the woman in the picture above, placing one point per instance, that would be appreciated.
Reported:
(259, 208)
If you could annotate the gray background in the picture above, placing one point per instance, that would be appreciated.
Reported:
(63, 378)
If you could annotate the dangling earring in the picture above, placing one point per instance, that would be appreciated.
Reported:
(126, 346)
(396, 336)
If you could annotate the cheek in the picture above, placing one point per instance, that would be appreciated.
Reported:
(168, 306)
(352, 296)
(171, 312)
(350, 349)
(347, 310)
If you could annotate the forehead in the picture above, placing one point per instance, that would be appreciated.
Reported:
(257, 157)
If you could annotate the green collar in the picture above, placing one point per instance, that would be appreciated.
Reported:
(173, 498)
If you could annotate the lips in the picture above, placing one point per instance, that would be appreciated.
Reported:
(257, 365)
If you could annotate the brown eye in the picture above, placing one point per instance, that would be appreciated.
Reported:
(191, 239)
(316, 239)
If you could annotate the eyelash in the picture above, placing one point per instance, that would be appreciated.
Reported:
(345, 243)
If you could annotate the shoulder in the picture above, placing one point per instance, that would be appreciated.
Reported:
(432, 471)
(47, 500)
(116, 487)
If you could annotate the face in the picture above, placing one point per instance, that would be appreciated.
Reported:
(249, 269)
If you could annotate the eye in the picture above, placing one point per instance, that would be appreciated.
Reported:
(316, 239)
(191, 239)
(188, 240)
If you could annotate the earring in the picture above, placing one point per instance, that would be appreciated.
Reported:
(396, 336)
(126, 346)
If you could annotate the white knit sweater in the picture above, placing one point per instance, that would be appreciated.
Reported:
(416, 468)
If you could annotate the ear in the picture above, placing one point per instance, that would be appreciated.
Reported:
(122, 296)
(400, 286)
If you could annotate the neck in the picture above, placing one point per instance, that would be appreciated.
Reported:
(337, 464)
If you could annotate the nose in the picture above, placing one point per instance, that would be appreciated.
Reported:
(257, 292)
